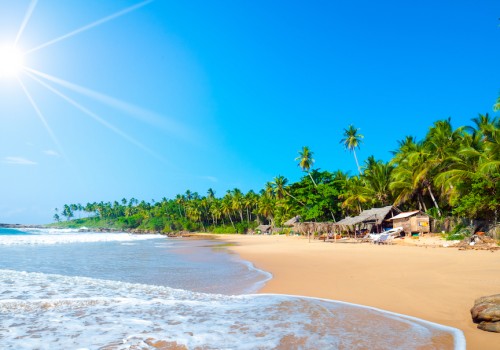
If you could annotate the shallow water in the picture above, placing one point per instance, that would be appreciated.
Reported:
(195, 265)
(118, 295)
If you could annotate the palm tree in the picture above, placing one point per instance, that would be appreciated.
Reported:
(403, 183)
(415, 168)
(279, 188)
(227, 206)
(306, 161)
(180, 200)
(355, 195)
(377, 177)
(266, 208)
(249, 202)
(237, 202)
(496, 106)
(351, 141)
(216, 211)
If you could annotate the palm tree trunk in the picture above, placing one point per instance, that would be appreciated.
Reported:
(421, 202)
(294, 197)
(433, 199)
(312, 179)
(356, 159)
(232, 223)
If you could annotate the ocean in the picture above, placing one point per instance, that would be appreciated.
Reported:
(61, 289)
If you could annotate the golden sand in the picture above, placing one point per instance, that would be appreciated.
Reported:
(419, 278)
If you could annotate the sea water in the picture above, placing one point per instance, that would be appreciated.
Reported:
(69, 290)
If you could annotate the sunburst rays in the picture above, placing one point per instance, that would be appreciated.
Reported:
(43, 80)
(90, 26)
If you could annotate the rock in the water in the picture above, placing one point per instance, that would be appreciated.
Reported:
(486, 312)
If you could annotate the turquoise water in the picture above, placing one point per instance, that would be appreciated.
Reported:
(69, 290)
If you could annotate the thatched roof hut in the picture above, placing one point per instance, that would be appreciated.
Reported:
(292, 221)
(368, 219)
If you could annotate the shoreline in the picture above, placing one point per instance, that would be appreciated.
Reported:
(416, 279)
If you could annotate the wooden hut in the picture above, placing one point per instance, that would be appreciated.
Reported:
(412, 222)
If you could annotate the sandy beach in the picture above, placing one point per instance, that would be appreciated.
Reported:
(419, 278)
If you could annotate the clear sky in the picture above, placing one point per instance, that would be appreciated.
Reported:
(124, 98)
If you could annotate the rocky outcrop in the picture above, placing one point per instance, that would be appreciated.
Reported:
(486, 312)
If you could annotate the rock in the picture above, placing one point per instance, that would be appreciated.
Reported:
(490, 326)
(492, 299)
(477, 309)
(486, 312)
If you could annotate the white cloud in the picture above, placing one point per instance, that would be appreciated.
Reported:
(18, 161)
(51, 153)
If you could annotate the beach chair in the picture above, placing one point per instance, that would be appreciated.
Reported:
(383, 239)
(365, 238)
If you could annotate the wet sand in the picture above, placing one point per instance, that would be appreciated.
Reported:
(416, 278)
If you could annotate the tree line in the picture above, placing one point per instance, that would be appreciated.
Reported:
(450, 172)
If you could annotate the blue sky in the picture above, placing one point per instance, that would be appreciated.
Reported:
(176, 95)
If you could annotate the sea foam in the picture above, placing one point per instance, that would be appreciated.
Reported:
(61, 237)
(77, 312)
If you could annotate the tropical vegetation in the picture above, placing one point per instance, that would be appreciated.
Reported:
(451, 172)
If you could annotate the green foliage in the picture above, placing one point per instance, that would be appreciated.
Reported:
(459, 233)
(224, 229)
(131, 221)
(481, 200)
(450, 171)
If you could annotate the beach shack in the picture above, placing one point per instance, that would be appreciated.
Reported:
(412, 222)
(371, 220)
(293, 221)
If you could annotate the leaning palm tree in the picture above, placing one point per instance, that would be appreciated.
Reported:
(306, 161)
(279, 188)
(352, 140)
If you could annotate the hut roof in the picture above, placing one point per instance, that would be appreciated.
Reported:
(406, 214)
(377, 215)
(292, 221)
(264, 228)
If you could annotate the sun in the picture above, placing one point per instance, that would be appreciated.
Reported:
(11, 61)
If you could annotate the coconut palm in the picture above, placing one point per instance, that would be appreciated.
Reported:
(403, 183)
(227, 206)
(355, 195)
(279, 188)
(306, 161)
(266, 208)
(377, 177)
(250, 202)
(237, 202)
(413, 174)
(351, 141)
(496, 106)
